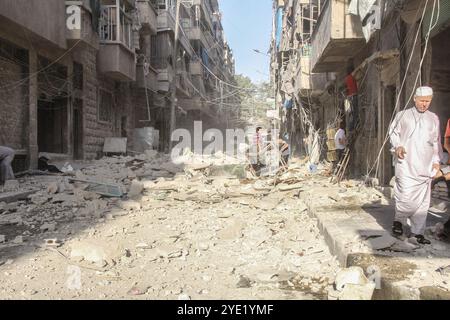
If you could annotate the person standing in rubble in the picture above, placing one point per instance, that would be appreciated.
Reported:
(6, 158)
(415, 139)
(352, 97)
(340, 141)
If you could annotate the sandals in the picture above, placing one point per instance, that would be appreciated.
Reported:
(421, 239)
(397, 229)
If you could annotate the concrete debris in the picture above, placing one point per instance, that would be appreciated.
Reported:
(18, 240)
(243, 282)
(130, 205)
(2, 238)
(53, 243)
(380, 243)
(357, 292)
(352, 275)
(50, 227)
(404, 246)
(184, 296)
(136, 189)
(137, 291)
(11, 186)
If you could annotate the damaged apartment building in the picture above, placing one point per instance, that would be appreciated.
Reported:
(73, 73)
(389, 47)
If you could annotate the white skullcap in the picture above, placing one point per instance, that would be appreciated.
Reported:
(424, 92)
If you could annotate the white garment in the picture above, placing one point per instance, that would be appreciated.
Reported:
(340, 134)
(419, 134)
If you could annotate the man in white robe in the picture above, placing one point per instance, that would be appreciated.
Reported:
(415, 140)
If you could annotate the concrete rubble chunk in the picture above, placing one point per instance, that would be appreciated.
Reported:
(18, 240)
(48, 227)
(2, 238)
(53, 188)
(380, 243)
(138, 290)
(129, 205)
(184, 296)
(243, 282)
(136, 189)
(54, 242)
(403, 246)
(352, 275)
(357, 292)
(11, 185)
(92, 252)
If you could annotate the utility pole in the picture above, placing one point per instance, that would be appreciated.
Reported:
(173, 99)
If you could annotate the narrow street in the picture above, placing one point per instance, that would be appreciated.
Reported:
(225, 150)
(184, 236)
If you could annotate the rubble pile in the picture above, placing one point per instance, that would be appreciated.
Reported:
(177, 231)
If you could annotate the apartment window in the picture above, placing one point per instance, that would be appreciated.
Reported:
(105, 106)
(116, 23)
(77, 76)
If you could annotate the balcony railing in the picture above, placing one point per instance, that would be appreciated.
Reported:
(115, 25)
(336, 38)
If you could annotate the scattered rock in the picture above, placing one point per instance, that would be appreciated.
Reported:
(243, 282)
(89, 252)
(357, 292)
(48, 227)
(352, 275)
(184, 296)
(18, 240)
(136, 189)
(11, 185)
(137, 291)
(130, 205)
(2, 238)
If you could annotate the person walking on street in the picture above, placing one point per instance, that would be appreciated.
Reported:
(415, 139)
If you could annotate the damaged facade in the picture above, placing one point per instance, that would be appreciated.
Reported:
(65, 86)
(391, 48)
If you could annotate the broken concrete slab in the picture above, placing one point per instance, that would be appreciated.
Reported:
(357, 292)
(9, 197)
(136, 189)
(11, 186)
(48, 227)
(288, 187)
(380, 243)
(352, 275)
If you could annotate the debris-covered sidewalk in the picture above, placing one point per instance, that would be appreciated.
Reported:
(356, 222)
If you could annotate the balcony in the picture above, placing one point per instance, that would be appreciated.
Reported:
(85, 33)
(207, 11)
(147, 16)
(45, 20)
(336, 37)
(165, 78)
(196, 68)
(116, 58)
(307, 82)
(146, 77)
(166, 22)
